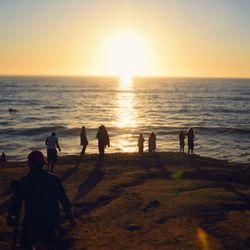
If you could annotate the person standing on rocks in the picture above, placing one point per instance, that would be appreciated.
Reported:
(84, 141)
(103, 139)
(141, 143)
(152, 143)
(182, 137)
(190, 136)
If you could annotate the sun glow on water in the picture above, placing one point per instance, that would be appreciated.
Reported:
(126, 81)
(126, 115)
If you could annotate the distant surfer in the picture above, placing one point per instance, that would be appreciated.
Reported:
(11, 110)
(52, 144)
(3, 157)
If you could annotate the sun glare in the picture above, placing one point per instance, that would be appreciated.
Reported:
(125, 56)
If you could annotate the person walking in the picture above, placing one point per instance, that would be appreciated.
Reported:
(84, 141)
(41, 192)
(52, 144)
(103, 139)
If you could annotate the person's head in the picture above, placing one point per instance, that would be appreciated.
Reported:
(83, 130)
(102, 128)
(191, 131)
(36, 160)
(53, 133)
(181, 133)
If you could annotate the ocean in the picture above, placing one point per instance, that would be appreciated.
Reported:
(218, 109)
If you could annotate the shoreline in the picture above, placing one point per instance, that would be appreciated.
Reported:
(170, 154)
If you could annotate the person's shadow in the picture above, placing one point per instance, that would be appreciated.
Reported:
(95, 176)
(69, 172)
(160, 164)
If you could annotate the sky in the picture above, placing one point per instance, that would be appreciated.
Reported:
(195, 38)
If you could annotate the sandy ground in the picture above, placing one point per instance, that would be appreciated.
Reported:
(150, 201)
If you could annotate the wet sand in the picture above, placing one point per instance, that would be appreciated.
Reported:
(150, 201)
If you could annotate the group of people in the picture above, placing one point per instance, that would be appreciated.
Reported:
(102, 137)
(151, 143)
(52, 145)
(104, 141)
(182, 136)
(190, 135)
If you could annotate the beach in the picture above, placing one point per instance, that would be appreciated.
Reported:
(163, 200)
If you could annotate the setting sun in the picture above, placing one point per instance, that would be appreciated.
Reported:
(126, 54)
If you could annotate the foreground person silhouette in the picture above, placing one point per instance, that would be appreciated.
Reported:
(190, 136)
(41, 193)
(52, 144)
(103, 139)
(84, 141)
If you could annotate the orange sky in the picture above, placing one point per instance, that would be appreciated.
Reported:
(150, 38)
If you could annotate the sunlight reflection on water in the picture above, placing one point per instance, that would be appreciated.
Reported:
(126, 115)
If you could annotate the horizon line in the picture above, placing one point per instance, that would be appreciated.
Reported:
(115, 76)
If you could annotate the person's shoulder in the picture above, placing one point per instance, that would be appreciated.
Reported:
(24, 180)
(52, 175)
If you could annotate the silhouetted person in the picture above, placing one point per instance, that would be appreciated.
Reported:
(141, 143)
(152, 142)
(3, 158)
(103, 139)
(41, 192)
(52, 144)
(191, 136)
(84, 141)
(182, 137)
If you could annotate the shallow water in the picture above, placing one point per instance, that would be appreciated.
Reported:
(218, 109)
